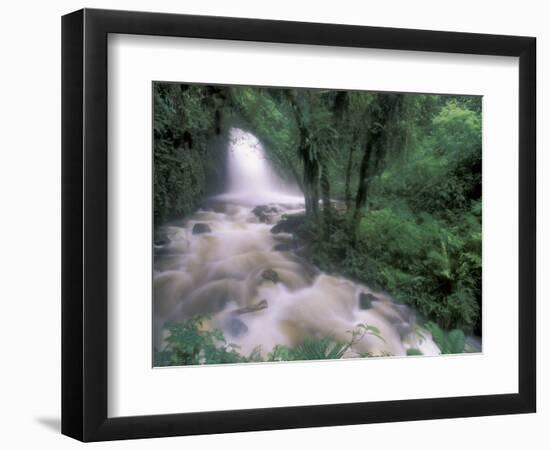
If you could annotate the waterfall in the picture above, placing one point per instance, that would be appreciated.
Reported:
(251, 177)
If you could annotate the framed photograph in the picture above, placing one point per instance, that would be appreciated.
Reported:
(273, 224)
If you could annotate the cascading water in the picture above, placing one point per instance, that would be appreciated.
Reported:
(251, 178)
(225, 262)
(248, 169)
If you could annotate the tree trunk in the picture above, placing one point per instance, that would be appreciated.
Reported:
(325, 194)
(311, 183)
(347, 189)
(363, 187)
(310, 163)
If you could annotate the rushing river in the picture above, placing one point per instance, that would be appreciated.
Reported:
(224, 261)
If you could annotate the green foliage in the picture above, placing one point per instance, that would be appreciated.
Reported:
(310, 349)
(323, 348)
(185, 119)
(443, 174)
(189, 344)
(426, 262)
(420, 238)
(418, 259)
(449, 343)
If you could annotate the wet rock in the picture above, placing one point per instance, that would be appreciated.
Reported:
(265, 213)
(270, 275)
(289, 224)
(236, 327)
(162, 240)
(262, 304)
(200, 228)
(163, 236)
(365, 300)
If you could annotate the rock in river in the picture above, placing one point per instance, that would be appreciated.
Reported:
(200, 228)
(266, 213)
(236, 327)
(289, 224)
(365, 300)
(270, 275)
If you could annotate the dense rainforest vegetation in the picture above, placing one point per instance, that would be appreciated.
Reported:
(391, 183)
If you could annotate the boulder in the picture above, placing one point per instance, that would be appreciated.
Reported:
(365, 300)
(265, 213)
(289, 223)
(162, 240)
(236, 327)
(163, 236)
(200, 228)
(270, 275)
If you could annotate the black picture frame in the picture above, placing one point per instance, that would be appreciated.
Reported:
(84, 224)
